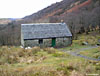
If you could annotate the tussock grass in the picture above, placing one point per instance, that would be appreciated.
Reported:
(94, 52)
(91, 40)
(14, 55)
(15, 61)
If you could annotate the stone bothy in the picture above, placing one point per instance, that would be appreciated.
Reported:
(45, 35)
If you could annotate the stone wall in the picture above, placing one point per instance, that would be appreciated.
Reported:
(48, 42)
(63, 42)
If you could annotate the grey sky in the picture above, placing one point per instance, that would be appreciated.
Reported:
(21, 8)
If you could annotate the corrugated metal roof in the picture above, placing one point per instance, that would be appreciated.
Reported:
(44, 30)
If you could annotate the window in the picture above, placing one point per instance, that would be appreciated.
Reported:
(40, 41)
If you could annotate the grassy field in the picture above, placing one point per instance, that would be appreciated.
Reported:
(16, 61)
(43, 62)
(94, 52)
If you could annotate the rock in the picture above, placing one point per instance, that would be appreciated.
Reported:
(22, 60)
(21, 47)
(28, 48)
(42, 58)
(84, 43)
(9, 48)
(75, 73)
(68, 51)
(99, 40)
(99, 57)
(29, 61)
(6, 64)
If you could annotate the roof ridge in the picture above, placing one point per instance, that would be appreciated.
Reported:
(41, 23)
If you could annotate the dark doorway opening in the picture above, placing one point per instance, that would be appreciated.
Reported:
(40, 41)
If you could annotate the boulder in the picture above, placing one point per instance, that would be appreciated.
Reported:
(84, 43)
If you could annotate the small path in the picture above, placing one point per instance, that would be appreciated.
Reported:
(83, 49)
(75, 53)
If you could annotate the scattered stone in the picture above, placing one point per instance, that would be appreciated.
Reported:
(6, 64)
(97, 63)
(29, 61)
(22, 60)
(84, 43)
(99, 40)
(28, 48)
(68, 51)
(42, 58)
(9, 48)
(99, 57)
(93, 62)
(21, 47)
(75, 73)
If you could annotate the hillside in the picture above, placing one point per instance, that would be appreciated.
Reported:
(49, 11)
(5, 21)
(58, 9)
(80, 15)
(81, 58)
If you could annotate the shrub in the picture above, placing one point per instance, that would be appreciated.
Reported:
(60, 54)
(13, 55)
(34, 50)
(64, 70)
(92, 40)
(97, 55)
(50, 50)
